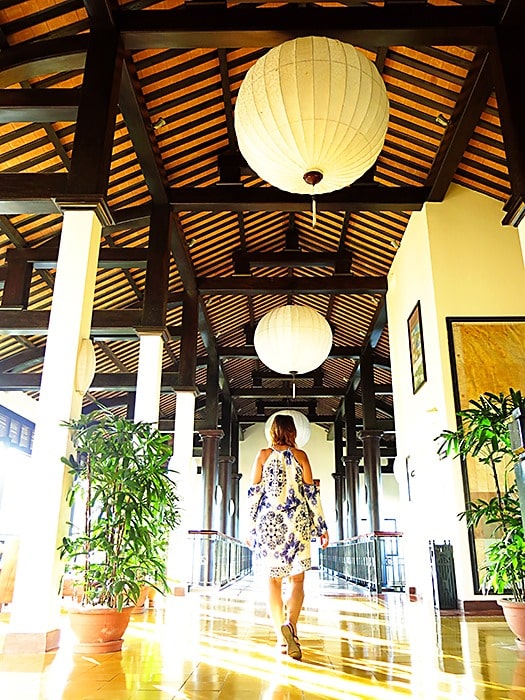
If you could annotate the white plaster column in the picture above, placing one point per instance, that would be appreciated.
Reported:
(34, 618)
(180, 554)
(149, 377)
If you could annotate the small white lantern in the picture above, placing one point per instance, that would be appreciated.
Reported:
(311, 115)
(86, 365)
(293, 339)
(302, 426)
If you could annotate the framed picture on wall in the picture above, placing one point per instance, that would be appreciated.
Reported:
(417, 349)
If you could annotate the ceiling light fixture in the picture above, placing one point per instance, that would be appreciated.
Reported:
(293, 339)
(311, 115)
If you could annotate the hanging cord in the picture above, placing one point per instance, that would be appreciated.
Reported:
(294, 374)
(313, 178)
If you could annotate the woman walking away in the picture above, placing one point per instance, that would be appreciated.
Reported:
(285, 513)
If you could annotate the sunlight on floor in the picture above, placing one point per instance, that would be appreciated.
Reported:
(220, 646)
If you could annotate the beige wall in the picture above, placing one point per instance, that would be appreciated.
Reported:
(457, 260)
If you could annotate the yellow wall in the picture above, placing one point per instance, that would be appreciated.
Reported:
(457, 260)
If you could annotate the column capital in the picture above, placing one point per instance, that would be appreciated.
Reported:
(211, 434)
(190, 389)
(338, 476)
(159, 331)
(226, 458)
(350, 460)
(366, 434)
(95, 203)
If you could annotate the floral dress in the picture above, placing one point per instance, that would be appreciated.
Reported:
(285, 514)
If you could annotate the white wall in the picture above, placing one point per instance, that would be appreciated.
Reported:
(457, 260)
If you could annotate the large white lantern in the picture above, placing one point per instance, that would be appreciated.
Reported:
(311, 115)
(293, 339)
(302, 425)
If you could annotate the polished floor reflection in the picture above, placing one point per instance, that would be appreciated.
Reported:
(219, 646)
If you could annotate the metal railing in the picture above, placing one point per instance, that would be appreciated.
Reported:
(373, 560)
(217, 559)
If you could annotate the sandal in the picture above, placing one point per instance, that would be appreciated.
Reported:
(292, 641)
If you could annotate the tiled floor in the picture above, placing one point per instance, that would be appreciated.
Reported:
(219, 647)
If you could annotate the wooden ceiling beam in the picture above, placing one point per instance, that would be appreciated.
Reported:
(133, 106)
(95, 129)
(247, 352)
(34, 59)
(22, 193)
(45, 257)
(244, 261)
(285, 392)
(312, 418)
(104, 323)
(468, 109)
(23, 360)
(101, 382)
(251, 286)
(39, 105)
(228, 28)
(356, 198)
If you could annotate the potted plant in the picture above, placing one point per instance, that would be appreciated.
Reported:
(117, 543)
(484, 434)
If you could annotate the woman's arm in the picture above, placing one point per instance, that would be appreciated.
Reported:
(312, 498)
(302, 458)
(258, 466)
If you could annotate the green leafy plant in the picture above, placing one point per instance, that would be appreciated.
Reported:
(483, 433)
(121, 481)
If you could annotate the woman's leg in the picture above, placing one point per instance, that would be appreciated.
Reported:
(295, 600)
(294, 605)
(275, 604)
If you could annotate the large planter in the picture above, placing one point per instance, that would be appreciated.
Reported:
(514, 613)
(99, 630)
(146, 599)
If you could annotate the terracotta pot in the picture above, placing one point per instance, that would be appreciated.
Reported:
(140, 605)
(99, 630)
(515, 617)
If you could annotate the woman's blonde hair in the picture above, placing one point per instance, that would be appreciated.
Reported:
(283, 431)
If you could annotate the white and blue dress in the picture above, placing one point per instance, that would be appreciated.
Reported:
(285, 514)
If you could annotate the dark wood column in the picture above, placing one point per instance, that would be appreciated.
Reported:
(226, 461)
(225, 482)
(94, 132)
(351, 462)
(210, 454)
(188, 342)
(157, 270)
(339, 487)
(371, 438)
(507, 61)
(339, 479)
(352, 491)
(211, 436)
(236, 476)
